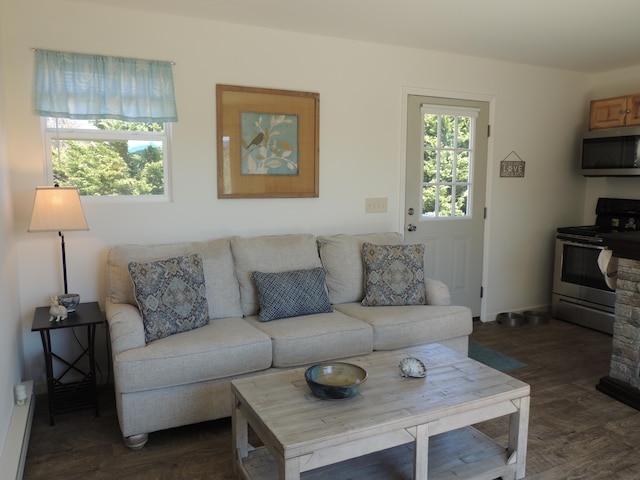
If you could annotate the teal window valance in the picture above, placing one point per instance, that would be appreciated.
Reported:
(81, 86)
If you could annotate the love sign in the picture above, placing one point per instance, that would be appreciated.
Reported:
(512, 168)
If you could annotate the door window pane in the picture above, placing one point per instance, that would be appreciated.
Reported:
(462, 196)
(464, 132)
(446, 165)
(448, 159)
(429, 167)
(462, 167)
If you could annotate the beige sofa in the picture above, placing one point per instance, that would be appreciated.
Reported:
(184, 378)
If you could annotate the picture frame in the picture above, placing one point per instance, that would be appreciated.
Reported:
(267, 142)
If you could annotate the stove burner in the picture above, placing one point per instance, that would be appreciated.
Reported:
(613, 215)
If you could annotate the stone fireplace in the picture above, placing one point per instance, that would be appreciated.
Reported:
(623, 381)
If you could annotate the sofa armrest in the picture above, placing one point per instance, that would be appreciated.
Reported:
(126, 329)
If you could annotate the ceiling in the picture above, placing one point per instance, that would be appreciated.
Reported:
(588, 36)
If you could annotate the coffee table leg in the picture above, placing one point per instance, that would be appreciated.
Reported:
(240, 435)
(518, 433)
(290, 469)
(421, 453)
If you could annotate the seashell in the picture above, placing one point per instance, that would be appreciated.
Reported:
(412, 367)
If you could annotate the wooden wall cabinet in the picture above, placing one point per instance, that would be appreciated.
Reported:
(615, 112)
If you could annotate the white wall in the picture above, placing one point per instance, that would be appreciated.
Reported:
(538, 114)
(11, 354)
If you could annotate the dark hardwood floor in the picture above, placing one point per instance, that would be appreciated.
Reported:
(575, 431)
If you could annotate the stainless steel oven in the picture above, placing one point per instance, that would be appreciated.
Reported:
(580, 291)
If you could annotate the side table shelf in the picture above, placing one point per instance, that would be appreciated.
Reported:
(68, 396)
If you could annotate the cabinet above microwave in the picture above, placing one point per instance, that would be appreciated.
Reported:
(615, 112)
(611, 153)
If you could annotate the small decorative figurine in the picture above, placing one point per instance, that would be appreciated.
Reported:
(56, 311)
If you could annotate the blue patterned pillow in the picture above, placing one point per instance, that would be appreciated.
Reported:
(171, 295)
(394, 275)
(291, 294)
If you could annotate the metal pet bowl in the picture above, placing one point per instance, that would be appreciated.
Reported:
(510, 319)
(536, 318)
(335, 380)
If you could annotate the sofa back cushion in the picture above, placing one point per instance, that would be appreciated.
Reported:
(270, 254)
(223, 292)
(342, 261)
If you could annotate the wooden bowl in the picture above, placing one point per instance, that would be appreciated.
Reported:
(335, 380)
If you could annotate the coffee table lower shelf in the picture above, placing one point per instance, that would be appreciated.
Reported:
(463, 453)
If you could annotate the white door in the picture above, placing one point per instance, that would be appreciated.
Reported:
(446, 170)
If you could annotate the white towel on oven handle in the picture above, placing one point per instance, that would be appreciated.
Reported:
(609, 267)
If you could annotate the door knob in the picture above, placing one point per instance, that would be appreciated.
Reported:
(412, 227)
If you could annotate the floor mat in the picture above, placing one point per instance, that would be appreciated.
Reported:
(493, 358)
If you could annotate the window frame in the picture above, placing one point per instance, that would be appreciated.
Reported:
(50, 134)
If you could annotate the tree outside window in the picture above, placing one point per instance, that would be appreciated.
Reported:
(108, 157)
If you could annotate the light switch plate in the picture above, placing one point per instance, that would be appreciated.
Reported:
(375, 205)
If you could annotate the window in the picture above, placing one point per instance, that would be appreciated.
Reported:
(108, 157)
(447, 161)
(106, 122)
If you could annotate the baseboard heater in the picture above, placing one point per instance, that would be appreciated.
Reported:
(14, 452)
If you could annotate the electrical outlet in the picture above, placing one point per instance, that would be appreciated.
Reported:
(375, 205)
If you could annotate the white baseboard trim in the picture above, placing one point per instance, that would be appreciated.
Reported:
(14, 452)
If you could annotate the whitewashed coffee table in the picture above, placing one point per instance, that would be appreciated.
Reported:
(396, 428)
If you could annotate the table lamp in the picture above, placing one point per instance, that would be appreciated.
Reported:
(58, 209)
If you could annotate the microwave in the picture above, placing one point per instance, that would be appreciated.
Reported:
(611, 153)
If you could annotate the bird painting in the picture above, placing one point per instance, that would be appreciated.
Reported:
(272, 149)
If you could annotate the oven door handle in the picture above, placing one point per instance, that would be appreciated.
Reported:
(577, 243)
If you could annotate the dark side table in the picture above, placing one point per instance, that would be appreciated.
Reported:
(73, 395)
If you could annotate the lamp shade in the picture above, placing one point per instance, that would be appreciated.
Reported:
(57, 209)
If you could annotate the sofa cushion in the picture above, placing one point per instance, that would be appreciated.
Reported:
(223, 292)
(437, 293)
(276, 253)
(223, 348)
(342, 261)
(394, 275)
(171, 295)
(402, 326)
(315, 338)
(291, 294)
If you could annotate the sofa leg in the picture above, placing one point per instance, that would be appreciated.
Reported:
(136, 442)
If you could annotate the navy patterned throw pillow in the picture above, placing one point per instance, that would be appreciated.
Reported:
(394, 275)
(171, 295)
(291, 294)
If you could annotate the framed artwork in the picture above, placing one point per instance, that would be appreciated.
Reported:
(268, 142)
